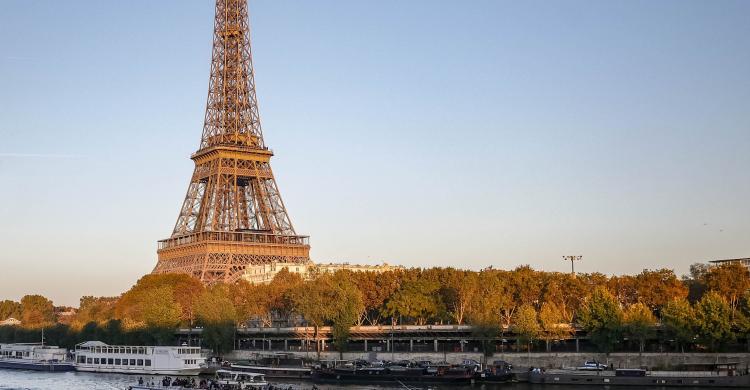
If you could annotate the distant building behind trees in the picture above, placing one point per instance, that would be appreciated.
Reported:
(743, 261)
(264, 273)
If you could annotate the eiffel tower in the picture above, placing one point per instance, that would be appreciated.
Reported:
(233, 215)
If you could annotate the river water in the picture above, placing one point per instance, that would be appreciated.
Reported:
(30, 380)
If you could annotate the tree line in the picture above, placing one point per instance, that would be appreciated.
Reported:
(705, 310)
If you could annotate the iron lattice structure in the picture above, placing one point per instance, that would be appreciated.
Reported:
(233, 215)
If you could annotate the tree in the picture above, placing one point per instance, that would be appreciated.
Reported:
(376, 288)
(158, 296)
(730, 280)
(214, 306)
(160, 313)
(98, 310)
(602, 319)
(639, 323)
(553, 323)
(677, 316)
(282, 292)
(458, 291)
(624, 288)
(742, 319)
(252, 301)
(313, 302)
(37, 312)
(713, 320)
(486, 311)
(347, 309)
(526, 325)
(417, 300)
(695, 282)
(657, 288)
(9, 309)
(215, 310)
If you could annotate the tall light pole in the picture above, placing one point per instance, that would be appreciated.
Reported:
(572, 260)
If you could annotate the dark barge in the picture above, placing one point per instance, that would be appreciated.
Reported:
(722, 375)
(449, 375)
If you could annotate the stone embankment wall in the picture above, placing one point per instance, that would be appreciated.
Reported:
(547, 360)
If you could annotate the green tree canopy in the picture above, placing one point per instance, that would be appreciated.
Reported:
(215, 307)
(602, 319)
(713, 320)
(678, 319)
(639, 323)
(526, 325)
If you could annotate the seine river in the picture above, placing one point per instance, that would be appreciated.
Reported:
(29, 380)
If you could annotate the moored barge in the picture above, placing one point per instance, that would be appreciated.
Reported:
(451, 375)
(36, 357)
(724, 375)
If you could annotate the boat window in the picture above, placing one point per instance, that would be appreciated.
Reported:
(141, 351)
(109, 349)
(127, 350)
(88, 360)
(148, 362)
(110, 361)
(96, 360)
(132, 362)
(118, 362)
(124, 362)
(140, 362)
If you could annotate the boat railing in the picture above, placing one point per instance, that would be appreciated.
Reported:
(688, 374)
(240, 237)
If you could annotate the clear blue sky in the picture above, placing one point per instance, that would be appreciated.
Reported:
(421, 133)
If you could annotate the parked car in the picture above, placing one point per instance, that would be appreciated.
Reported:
(592, 365)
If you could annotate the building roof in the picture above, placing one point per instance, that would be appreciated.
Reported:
(10, 321)
(742, 260)
(92, 344)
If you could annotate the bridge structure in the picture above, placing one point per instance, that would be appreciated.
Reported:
(378, 338)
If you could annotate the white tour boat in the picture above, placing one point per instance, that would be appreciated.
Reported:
(34, 356)
(238, 380)
(96, 356)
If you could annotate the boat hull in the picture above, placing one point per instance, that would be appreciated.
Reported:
(742, 381)
(36, 366)
(344, 377)
(276, 372)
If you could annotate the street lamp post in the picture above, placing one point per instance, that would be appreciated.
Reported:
(572, 260)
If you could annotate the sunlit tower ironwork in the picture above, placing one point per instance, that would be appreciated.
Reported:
(572, 260)
(233, 215)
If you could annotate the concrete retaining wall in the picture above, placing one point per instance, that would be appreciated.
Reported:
(548, 360)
